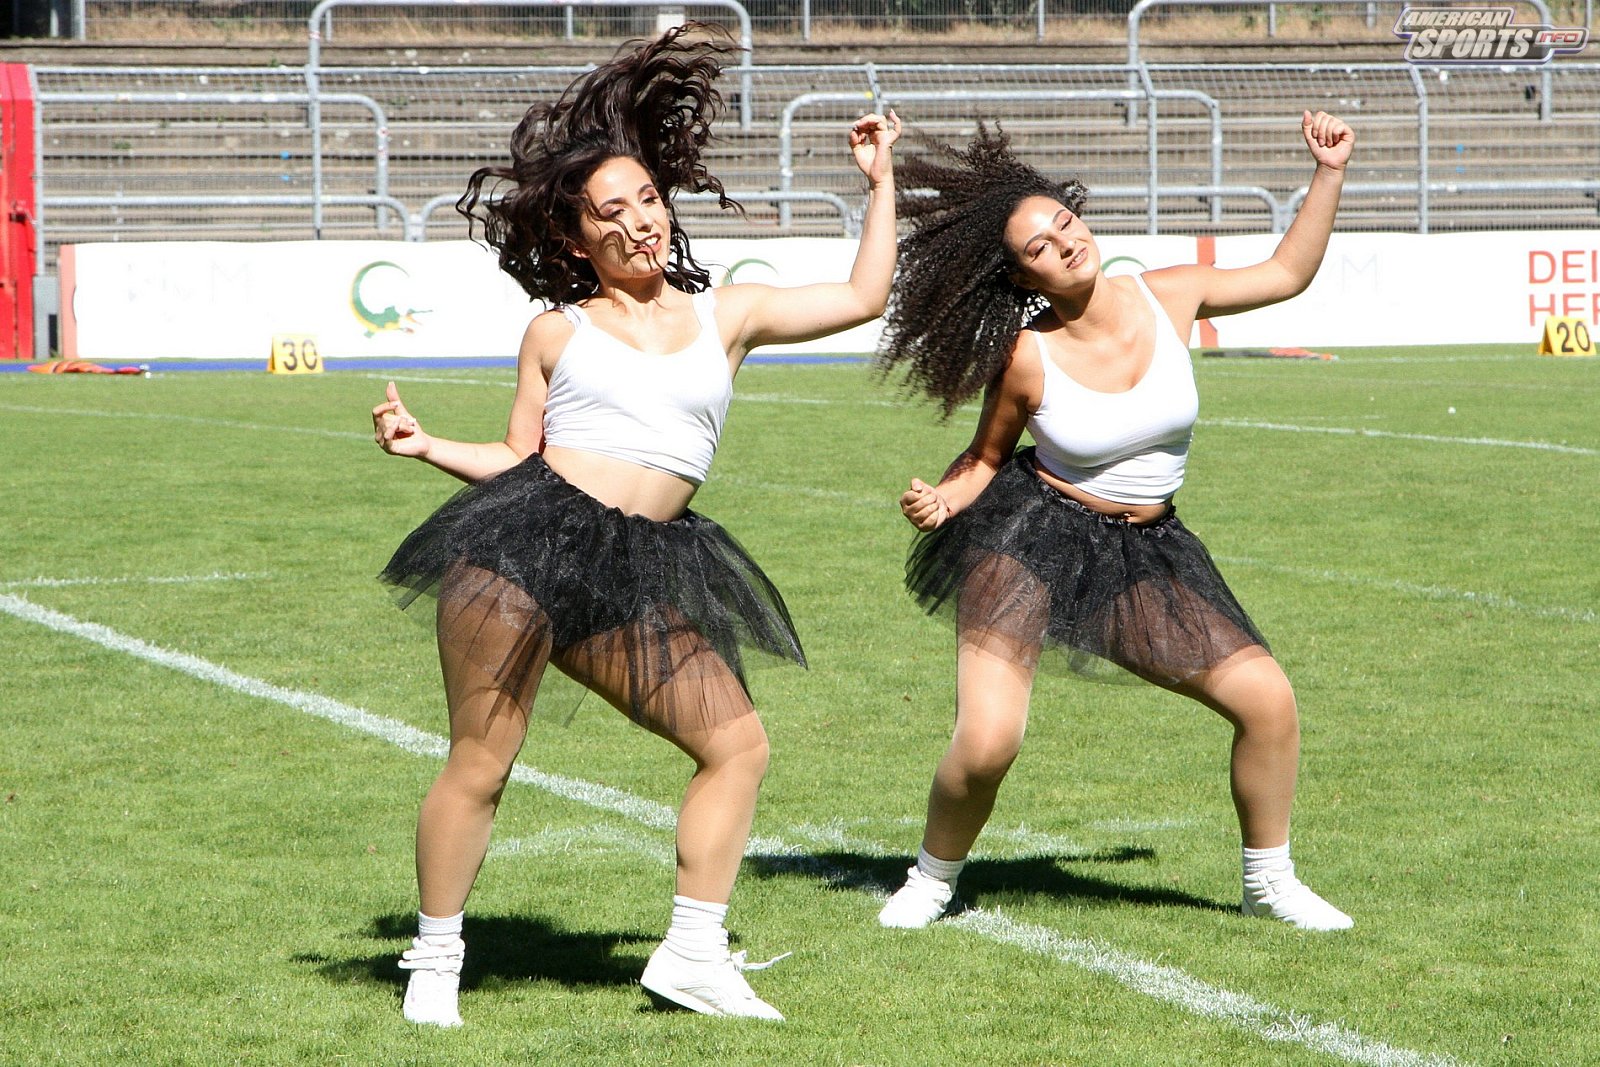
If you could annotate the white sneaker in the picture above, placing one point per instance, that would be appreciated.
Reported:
(1280, 895)
(917, 903)
(711, 988)
(435, 981)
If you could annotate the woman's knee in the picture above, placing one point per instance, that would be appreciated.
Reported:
(738, 745)
(1260, 701)
(983, 756)
(477, 771)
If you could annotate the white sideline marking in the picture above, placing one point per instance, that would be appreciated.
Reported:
(833, 834)
(1425, 383)
(887, 503)
(754, 398)
(396, 733)
(1138, 826)
(1163, 983)
(193, 420)
(177, 579)
(1430, 592)
(1172, 986)
(1029, 842)
(501, 382)
(1442, 359)
(585, 840)
(1357, 431)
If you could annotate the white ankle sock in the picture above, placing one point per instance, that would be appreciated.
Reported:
(445, 929)
(696, 932)
(1267, 859)
(934, 867)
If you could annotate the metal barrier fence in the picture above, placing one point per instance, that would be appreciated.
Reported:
(249, 153)
(834, 21)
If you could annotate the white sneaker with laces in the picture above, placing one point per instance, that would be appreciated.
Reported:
(435, 981)
(917, 903)
(715, 987)
(1282, 896)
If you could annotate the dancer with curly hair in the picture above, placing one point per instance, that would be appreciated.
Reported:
(573, 543)
(1072, 547)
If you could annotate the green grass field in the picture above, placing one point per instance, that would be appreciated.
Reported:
(217, 729)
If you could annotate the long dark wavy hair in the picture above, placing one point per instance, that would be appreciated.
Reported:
(653, 102)
(954, 312)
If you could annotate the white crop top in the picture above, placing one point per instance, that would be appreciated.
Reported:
(1129, 447)
(664, 412)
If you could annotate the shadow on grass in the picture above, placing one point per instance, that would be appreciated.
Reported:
(988, 881)
(503, 948)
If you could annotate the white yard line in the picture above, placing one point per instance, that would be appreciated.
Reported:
(1139, 826)
(504, 383)
(1026, 842)
(174, 579)
(1428, 592)
(191, 420)
(1358, 431)
(586, 839)
(1172, 986)
(773, 398)
(1167, 984)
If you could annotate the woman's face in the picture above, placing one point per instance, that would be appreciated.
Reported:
(1051, 247)
(626, 232)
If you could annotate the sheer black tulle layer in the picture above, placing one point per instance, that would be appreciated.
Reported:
(656, 616)
(1027, 570)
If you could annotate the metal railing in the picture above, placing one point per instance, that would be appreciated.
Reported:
(325, 8)
(1136, 19)
(849, 218)
(1412, 101)
(380, 121)
(881, 98)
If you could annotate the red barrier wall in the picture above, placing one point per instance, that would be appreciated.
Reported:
(17, 232)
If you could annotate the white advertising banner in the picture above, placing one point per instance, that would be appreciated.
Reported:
(1423, 289)
(211, 300)
(214, 300)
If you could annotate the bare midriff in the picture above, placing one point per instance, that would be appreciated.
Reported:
(1137, 514)
(632, 489)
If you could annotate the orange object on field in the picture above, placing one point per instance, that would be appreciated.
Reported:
(83, 366)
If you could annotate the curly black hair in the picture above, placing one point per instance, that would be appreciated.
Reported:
(954, 312)
(653, 102)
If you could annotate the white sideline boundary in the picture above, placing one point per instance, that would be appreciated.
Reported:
(191, 420)
(42, 582)
(1235, 424)
(771, 398)
(1172, 986)
(1429, 438)
(1166, 984)
(1416, 589)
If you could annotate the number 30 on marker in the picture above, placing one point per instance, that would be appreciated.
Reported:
(294, 354)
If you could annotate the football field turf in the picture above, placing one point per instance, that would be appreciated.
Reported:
(217, 730)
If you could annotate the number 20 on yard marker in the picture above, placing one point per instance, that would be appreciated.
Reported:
(1566, 337)
(294, 354)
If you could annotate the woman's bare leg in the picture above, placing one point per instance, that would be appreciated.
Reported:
(677, 686)
(992, 694)
(1250, 690)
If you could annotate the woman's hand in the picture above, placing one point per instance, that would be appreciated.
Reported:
(395, 429)
(924, 506)
(870, 138)
(1329, 139)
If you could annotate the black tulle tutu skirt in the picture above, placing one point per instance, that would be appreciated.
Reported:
(1031, 574)
(525, 569)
